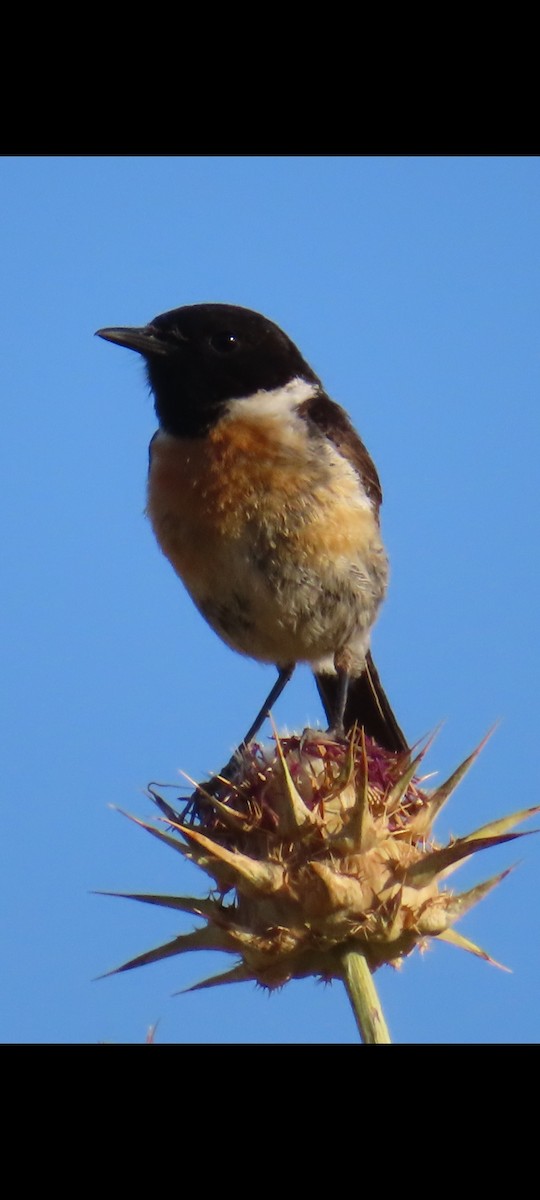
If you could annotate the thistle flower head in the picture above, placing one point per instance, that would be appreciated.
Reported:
(320, 847)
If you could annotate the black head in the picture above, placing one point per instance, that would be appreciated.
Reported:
(201, 356)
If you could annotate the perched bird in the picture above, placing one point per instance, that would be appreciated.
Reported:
(266, 502)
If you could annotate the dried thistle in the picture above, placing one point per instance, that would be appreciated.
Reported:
(324, 864)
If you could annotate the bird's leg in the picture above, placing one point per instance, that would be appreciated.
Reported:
(284, 675)
(337, 726)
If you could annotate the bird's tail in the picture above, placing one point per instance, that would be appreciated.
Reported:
(367, 705)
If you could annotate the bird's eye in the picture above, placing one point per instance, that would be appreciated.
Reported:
(224, 342)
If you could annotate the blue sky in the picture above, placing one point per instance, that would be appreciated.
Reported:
(411, 285)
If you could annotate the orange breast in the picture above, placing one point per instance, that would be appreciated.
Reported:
(272, 534)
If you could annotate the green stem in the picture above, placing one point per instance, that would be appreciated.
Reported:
(363, 996)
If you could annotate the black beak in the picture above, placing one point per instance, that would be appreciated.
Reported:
(144, 339)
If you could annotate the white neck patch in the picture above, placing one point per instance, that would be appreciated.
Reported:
(281, 401)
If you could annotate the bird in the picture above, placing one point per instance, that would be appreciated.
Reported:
(266, 502)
